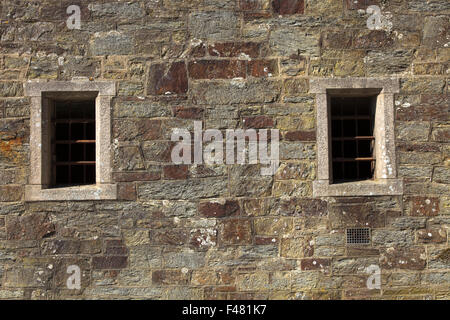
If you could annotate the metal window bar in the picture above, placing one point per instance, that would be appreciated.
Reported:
(352, 138)
(73, 143)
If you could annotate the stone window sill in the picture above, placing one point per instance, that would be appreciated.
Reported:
(379, 187)
(78, 193)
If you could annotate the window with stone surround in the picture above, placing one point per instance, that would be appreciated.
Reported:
(355, 137)
(70, 141)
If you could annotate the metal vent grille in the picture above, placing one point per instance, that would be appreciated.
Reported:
(358, 236)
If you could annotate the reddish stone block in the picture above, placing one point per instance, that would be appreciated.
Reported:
(432, 235)
(258, 122)
(167, 78)
(217, 69)
(262, 68)
(198, 51)
(176, 172)
(373, 39)
(425, 206)
(235, 49)
(403, 258)
(170, 277)
(136, 176)
(287, 7)
(300, 136)
(30, 227)
(188, 112)
(236, 231)
(109, 262)
(250, 4)
(423, 112)
(126, 191)
(203, 238)
(315, 264)
(337, 40)
(219, 210)
(260, 240)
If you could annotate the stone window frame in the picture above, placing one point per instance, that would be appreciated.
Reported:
(385, 180)
(37, 188)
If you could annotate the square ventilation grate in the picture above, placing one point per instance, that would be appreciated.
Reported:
(358, 236)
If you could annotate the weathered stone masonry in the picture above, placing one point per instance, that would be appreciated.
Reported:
(225, 231)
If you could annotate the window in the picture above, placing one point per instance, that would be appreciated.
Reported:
(352, 121)
(355, 137)
(70, 141)
(73, 143)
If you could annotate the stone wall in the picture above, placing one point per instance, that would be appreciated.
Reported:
(225, 231)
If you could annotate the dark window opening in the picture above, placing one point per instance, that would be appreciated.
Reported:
(73, 143)
(358, 236)
(352, 147)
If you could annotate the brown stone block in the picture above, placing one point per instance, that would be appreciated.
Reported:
(217, 69)
(288, 7)
(30, 227)
(126, 191)
(315, 264)
(423, 112)
(109, 262)
(174, 172)
(262, 68)
(164, 78)
(219, 209)
(258, 122)
(188, 112)
(170, 277)
(264, 240)
(372, 39)
(424, 206)
(235, 231)
(432, 235)
(203, 238)
(356, 215)
(337, 40)
(300, 135)
(406, 258)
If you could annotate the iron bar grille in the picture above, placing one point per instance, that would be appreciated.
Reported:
(352, 138)
(358, 236)
(73, 143)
